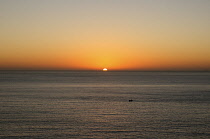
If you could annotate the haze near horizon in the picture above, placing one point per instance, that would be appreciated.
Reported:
(112, 34)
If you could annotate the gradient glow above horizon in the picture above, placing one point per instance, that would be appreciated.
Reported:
(94, 34)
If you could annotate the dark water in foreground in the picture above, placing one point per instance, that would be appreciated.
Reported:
(53, 104)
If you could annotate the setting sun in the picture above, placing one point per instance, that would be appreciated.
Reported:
(104, 69)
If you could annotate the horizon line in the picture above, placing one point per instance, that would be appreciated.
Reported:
(106, 71)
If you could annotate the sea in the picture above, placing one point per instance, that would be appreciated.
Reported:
(96, 104)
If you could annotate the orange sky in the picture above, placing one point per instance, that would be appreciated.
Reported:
(118, 35)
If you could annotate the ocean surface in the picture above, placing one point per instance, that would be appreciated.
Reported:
(66, 104)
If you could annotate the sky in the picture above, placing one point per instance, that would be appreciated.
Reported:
(114, 34)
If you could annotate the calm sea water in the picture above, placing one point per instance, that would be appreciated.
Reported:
(64, 104)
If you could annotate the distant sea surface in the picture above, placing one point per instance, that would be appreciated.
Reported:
(65, 104)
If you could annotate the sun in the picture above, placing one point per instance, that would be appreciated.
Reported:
(105, 69)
